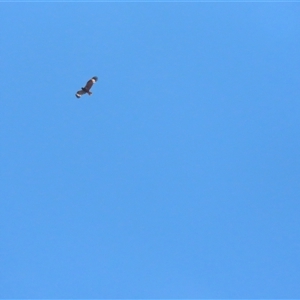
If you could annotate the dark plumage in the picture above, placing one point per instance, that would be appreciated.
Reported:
(86, 89)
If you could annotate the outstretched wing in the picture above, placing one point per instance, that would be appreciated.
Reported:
(80, 93)
(88, 85)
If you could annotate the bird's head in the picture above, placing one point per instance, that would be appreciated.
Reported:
(95, 78)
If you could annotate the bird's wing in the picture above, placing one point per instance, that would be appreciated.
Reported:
(89, 84)
(80, 93)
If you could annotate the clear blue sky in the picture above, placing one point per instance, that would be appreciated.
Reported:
(178, 178)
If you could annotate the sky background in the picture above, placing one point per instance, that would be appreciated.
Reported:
(178, 178)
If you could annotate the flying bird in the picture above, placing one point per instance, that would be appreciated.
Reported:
(86, 89)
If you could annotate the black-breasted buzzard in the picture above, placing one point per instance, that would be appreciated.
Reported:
(86, 89)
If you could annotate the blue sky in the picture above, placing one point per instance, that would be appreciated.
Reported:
(178, 177)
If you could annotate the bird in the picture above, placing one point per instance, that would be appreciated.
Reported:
(86, 89)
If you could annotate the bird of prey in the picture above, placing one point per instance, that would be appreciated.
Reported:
(86, 89)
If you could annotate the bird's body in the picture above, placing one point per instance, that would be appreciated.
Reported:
(86, 89)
